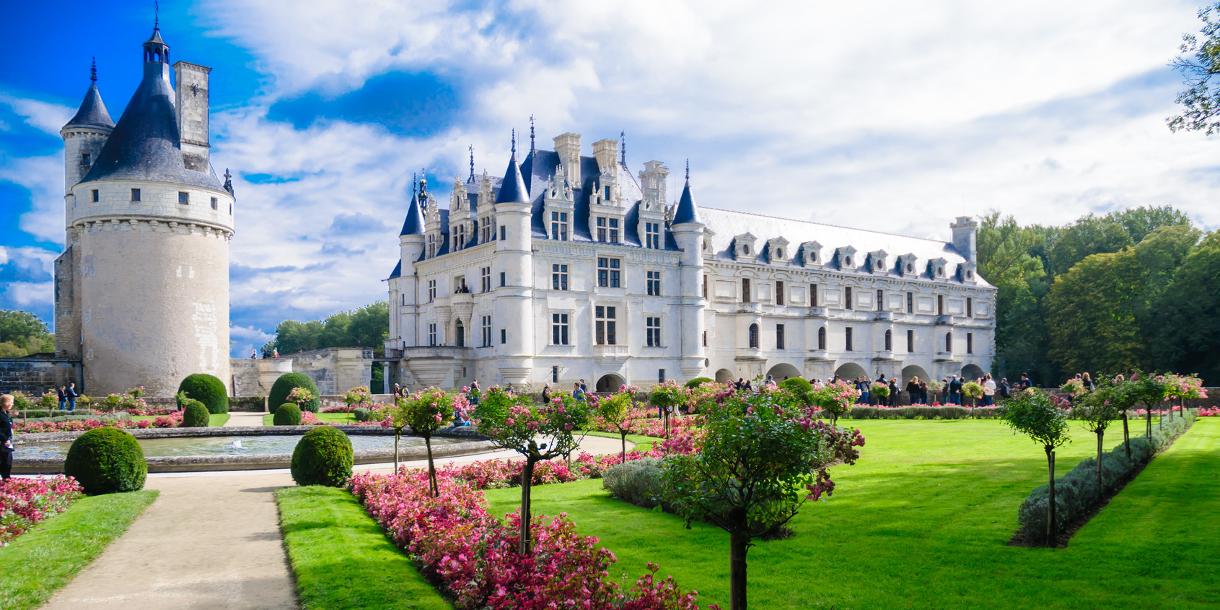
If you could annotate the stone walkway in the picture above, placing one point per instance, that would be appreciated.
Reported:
(211, 540)
(243, 418)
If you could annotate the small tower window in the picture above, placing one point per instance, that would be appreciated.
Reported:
(184, 197)
(93, 195)
(86, 159)
(215, 203)
(135, 195)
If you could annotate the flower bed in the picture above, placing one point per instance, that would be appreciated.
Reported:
(473, 557)
(934, 411)
(1209, 412)
(24, 502)
(173, 420)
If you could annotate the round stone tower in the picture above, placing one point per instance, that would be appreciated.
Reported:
(142, 290)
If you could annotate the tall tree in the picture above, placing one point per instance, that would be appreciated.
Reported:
(1198, 62)
(1091, 314)
(23, 333)
(1185, 332)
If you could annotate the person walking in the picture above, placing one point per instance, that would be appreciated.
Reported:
(578, 392)
(71, 395)
(893, 391)
(473, 395)
(913, 389)
(6, 437)
(546, 393)
(61, 393)
(989, 389)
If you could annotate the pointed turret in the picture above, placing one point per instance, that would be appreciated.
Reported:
(512, 189)
(686, 211)
(92, 111)
(414, 223)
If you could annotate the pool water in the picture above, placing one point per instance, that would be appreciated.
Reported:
(229, 445)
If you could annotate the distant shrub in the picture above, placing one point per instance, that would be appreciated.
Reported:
(290, 381)
(194, 414)
(207, 389)
(289, 414)
(361, 414)
(638, 482)
(698, 381)
(323, 456)
(106, 460)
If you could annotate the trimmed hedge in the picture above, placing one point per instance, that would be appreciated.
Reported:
(289, 414)
(638, 482)
(106, 460)
(1077, 493)
(698, 381)
(207, 389)
(323, 457)
(923, 413)
(194, 414)
(361, 414)
(284, 385)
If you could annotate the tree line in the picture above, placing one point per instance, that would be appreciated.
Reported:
(1132, 289)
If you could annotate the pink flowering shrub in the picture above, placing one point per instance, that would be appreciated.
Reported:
(24, 502)
(475, 558)
(1209, 412)
(173, 420)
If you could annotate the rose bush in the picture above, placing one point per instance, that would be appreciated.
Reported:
(24, 502)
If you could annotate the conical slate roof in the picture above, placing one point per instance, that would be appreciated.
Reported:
(512, 189)
(92, 111)
(686, 211)
(414, 223)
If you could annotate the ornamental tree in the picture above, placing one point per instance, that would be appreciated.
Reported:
(836, 399)
(537, 432)
(879, 391)
(426, 412)
(666, 397)
(799, 389)
(1098, 408)
(615, 412)
(1150, 390)
(761, 458)
(1033, 413)
(974, 391)
(358, 396)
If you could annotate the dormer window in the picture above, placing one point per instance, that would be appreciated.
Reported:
(909, 268)
(847, 261)
(779, 253)
(811, 252)
(745, 250)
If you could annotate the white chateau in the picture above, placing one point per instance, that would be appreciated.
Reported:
(570, 267)
(142, 288)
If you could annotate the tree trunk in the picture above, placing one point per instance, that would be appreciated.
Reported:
(527, 476)
(1100, 434)
(739, 545)
(623, 440)
(666, 416)
(1148, 421)
(1051, 530)
(431, 468)
(396, 435)
(1126, 435)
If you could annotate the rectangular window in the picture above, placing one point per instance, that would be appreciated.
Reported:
(135, 196)
(614, 231)
(93, 195)
(705, 338)
(969, 343)
(215, 203)
(559, 277)
(184, 197)
(910, 341)
(606, 195)
(940, 304)
(745, 290)
(847, 304)
(609, 272)
(847, 339)
(432, 334)
(652, 235)
(910, 302)
(503, 232)
(779, 293)
(431, 290)
(652, 331)
(969, 307)
(653, 283)
(559, 225)
(404, 298)
(880, 300)
(559, 329)
(85, 159)
(705, 282)
(555, 374)
(601, 228)
(486, 331)
(660, 375)
(779, 336)
(503, 336)
(605, 325)
(503, 279)
(813, 295)
(485, 278)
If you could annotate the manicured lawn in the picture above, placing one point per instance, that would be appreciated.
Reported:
(53, 552)
(214, 420)
(342, 559)
(643, 443)
(336, 418)
(923, 520)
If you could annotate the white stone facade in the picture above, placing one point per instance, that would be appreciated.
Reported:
(684, 291)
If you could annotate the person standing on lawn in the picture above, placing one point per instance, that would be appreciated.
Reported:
(71, 395)
(6, 437)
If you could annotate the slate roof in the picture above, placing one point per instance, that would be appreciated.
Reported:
(92, 111)
(512, 188)
(686, 211)
(414, 222)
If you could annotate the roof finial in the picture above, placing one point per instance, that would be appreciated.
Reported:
(156, 14)
(622, 137)
(93, 70)
(514, 141)
(471, 147)
(228, 181)
(688, 169)
(531, 133)
(414, 182)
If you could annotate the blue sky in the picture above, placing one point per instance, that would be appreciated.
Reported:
(890, 116)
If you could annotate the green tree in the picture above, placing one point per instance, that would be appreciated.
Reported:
(1091, 314)
(1035, 414)
(23, 333)
(615, 411)
(1087, 236)
(1185, 331)
(1198, 62)
(1098, 408)
(759, 461)
(426, 412)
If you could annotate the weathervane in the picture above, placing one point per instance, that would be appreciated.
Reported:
(93, 70)
(688, 169)
(471, 147)
(156, 14)
(514, 141)
(531, 133)
(622, 136)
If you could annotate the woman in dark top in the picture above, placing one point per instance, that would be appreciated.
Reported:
(6, 437)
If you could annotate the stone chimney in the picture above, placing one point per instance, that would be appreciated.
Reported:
(567, 146)
(191, 82)
(965, 235)
(652, 179)
(606, 153)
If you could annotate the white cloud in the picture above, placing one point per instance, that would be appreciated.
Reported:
(44, 116)
(43, 177)
(28, 262)
(27, 294)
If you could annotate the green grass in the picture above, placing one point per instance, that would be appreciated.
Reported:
(53, 552)
(335, 418)
(643, 443)
(342, 559)
(923, 520)
(214, 419)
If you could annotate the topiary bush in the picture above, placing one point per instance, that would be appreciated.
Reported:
(323, 456)
(638, 482)
(194, 414)
(361, 414)
(698, 381)
(288, 414)
(207, 389)
(106, 460)
(284, 385)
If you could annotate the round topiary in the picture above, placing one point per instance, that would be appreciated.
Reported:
(285, 384)
(106, 460)
(207, 389)
(194, 414)
(322, 457)
(698, 381)
(287, 415)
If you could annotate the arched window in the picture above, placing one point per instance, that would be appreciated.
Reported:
(948, 342)
(459, 334)
(753, 336)
(822, 338)
(889, 340)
